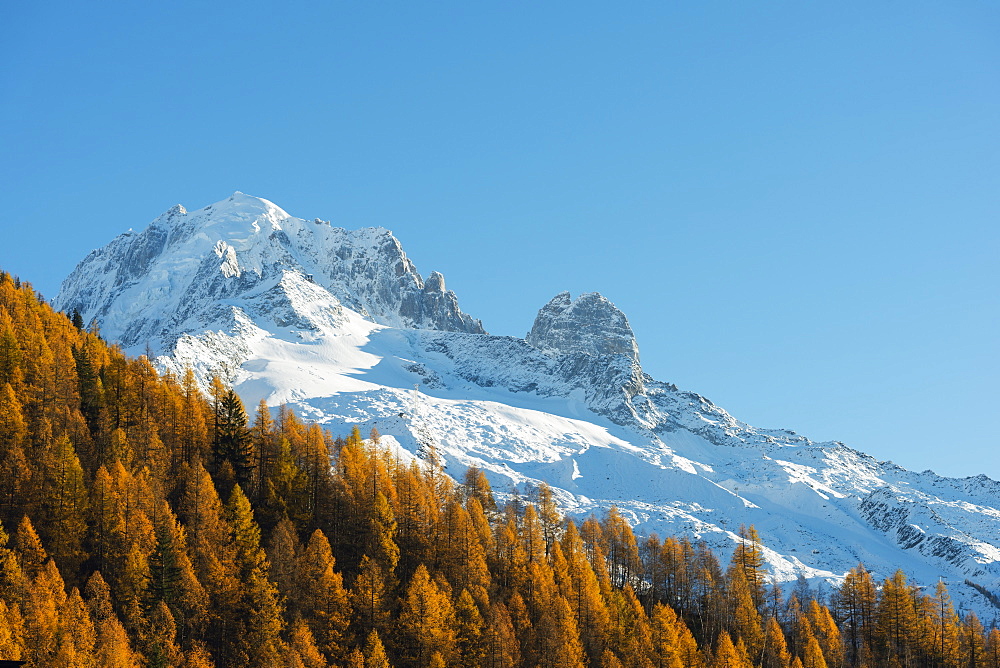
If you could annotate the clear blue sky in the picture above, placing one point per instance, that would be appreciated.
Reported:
(795, 203)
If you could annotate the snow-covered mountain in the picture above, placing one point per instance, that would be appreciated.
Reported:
(339, 325)
(187, 272)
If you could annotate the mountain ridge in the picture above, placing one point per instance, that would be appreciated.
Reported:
(345, 342)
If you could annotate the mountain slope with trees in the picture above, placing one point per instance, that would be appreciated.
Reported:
(339, 325)
(145, 524)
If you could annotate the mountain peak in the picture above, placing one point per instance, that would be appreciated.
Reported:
(228, 262)
(243, 205)
(589, 324)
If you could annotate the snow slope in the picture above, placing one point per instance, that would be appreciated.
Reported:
(339, 325)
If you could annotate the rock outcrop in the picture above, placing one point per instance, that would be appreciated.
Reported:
(589, 324)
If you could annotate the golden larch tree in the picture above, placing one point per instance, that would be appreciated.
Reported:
(775, 653)
(427, 620)
(374, 654)
(324, 600)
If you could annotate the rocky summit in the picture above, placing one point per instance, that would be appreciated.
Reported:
(589, 324)
(340, 326)
(245, 258)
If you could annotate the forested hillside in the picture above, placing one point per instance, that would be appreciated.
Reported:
(145, 524)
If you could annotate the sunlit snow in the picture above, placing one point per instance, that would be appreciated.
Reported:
(339, 326)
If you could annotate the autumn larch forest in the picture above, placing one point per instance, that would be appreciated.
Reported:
(147, 524)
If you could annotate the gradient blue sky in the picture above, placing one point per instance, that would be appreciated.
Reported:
(795, 203)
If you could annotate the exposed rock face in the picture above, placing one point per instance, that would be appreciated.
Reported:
(188, 272)
(934, 527)
(588, 324)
